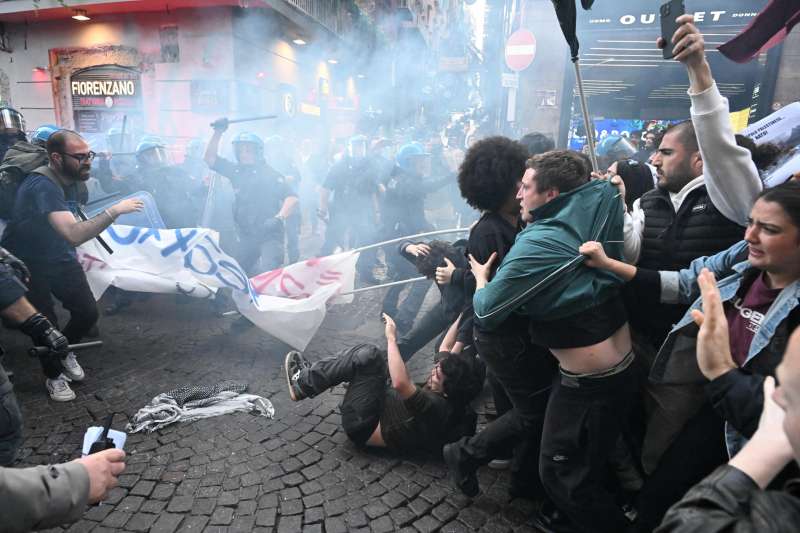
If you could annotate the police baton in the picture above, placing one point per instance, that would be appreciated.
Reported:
(36, 351)
(102, 242)
(223, 121)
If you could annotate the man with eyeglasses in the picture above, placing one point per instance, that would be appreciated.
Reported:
(43, 232)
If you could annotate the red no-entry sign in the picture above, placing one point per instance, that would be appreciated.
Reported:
(520, 50)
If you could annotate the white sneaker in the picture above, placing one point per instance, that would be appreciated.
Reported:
(71, 368)
(499, 464)
(59, 389)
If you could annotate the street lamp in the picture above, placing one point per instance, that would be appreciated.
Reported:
(80, 15)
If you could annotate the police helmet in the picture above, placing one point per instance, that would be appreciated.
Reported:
(11, 119)
(42, 133)
(151, 150)
(615, 147)
(247, 137)
(407, 153)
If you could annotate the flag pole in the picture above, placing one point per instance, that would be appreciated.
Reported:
(382, 286)
(587, 121)
(409, 237)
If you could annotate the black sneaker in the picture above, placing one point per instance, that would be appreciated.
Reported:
(293, 365)
(550, 520)
(464, 480)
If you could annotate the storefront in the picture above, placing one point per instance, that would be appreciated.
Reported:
(629, 84)
(105, 96)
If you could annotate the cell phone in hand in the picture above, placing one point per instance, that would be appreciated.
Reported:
(668, 13)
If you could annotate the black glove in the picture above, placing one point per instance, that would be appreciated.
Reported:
(220, 125)
(20, 269)
(273, 225)
(43, 333)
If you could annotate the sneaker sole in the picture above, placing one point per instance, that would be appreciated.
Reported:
(288, 377)
(64, 399)
(452, 470)
(73, 377)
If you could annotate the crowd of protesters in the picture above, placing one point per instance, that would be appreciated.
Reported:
(636, 325)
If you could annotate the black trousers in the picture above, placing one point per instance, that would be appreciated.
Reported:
(258, 253)
(10, 422)
(67, 282)
(526, 373)
(364, 368)
(346, 230)
(429, 326)
(585, 418)
(293, 224)
(698, 449)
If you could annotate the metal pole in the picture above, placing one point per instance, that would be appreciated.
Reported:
(383, 286)
(587, 122)
(409, 237)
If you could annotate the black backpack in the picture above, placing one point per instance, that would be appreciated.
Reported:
(20, 160)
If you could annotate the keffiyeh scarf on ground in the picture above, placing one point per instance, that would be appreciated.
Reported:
(186, 404)
(543, 275)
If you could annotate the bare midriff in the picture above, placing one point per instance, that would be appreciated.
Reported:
(376, 439)
(597, 357)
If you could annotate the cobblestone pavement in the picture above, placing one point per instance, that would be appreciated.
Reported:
(240, 472)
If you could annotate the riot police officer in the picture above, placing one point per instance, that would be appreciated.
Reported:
(12, 129)
(353, 214)
(263, 200)
(280, 157)
(178, 197)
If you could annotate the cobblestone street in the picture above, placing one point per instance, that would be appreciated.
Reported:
(297, 472)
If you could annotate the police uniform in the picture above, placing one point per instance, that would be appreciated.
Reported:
(260, 193)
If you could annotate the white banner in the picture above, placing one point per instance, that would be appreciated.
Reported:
(288, 303)
(782, 128)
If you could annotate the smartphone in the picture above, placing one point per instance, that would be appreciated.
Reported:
(668, 13)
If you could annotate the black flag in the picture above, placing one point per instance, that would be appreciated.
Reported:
(567, 15)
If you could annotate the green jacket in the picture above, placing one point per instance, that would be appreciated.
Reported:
(543, 276)
(43, 496)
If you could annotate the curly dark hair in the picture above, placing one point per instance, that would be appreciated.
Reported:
(426, 264)
(563, 170)
(463, 377)
(491, 171)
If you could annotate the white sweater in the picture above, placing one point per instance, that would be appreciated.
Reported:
(729, 174)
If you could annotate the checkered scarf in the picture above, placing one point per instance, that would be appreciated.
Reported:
(189, 403)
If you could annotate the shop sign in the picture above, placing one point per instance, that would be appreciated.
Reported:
(105, 87)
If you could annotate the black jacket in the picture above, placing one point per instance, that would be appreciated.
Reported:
(729, 501)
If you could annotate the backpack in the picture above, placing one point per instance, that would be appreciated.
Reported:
(21, 160)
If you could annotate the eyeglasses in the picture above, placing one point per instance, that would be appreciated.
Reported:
(80, 158)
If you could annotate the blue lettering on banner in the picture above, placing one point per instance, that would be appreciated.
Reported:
(212, 243)
(188, 263)
(151, 232)
(127, 239)
(181, 242)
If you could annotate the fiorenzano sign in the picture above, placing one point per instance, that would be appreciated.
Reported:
(103, 88)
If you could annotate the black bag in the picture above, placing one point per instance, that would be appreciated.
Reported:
(20, 160)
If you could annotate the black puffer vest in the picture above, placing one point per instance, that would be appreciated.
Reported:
(670, 242)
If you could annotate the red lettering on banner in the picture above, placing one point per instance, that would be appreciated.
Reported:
(261, 281)
(87, 262)
(289, 277)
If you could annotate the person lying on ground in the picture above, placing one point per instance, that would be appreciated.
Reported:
(383, 407)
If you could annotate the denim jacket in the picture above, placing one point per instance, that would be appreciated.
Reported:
(676, 361)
